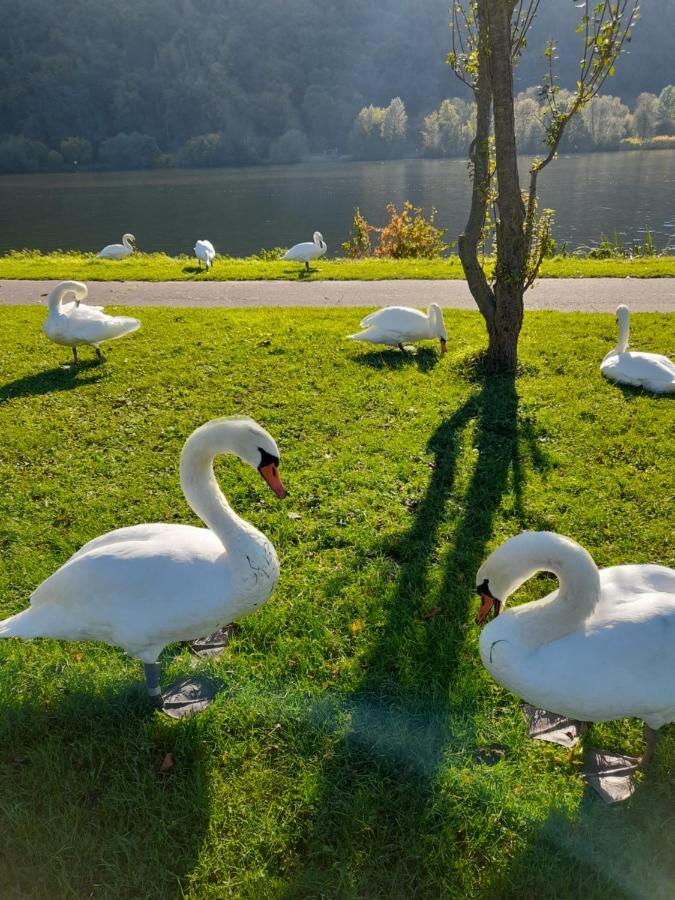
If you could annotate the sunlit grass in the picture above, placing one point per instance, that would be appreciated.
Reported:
(159, 267)
(358, 748)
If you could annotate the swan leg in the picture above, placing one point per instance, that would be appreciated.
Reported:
(182, 698)
(651, 736)
(153, 684)
(546, 726)
(307, 265)
(75, 360)
(99, 355)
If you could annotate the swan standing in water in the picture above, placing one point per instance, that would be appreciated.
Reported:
(205, 253)
(395, 324)
(143, 587)
(118, 251)
(600, 647)
(308, 250)
(651, 371)
(71, 324)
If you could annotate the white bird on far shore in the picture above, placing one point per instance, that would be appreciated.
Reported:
(118, 251)
(205, 253)
(308, 250)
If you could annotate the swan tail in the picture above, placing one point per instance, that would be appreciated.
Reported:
(124, 325)
(38, 621)
(23, 625)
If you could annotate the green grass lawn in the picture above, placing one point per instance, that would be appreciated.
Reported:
(159, 267)
(358, 748)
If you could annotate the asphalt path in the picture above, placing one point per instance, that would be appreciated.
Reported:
(563, 294)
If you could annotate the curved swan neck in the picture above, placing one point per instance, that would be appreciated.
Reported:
(199, 484)
(577, 594)
(57, 294)
(623, 318)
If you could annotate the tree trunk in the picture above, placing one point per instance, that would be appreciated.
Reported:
(510, 267)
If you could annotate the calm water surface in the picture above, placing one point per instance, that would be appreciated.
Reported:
(243, 210)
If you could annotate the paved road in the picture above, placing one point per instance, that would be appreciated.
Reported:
(565, 294)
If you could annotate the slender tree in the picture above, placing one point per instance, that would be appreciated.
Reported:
(488, 37)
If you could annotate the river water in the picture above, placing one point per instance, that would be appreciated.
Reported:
(243, 210)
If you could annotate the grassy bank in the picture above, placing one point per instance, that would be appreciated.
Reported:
(159, 267)
(358, 748)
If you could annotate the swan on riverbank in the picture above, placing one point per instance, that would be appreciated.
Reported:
(118, 251)
(395, 324)
(205, 253)
(307, 251)
(650, 371)
(146, 586)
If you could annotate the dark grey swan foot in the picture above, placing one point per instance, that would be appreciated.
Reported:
(182, 698)
(546, 726)
(213, 644)
(611, 775)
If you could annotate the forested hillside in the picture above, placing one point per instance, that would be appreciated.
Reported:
(215, 82)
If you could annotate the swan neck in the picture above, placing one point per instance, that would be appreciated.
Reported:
(577, 595)
(203, 493)
(624, 333)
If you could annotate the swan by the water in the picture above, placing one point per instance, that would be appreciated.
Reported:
(650, 371)
(205, 253)
(146, 586)
(72, 324)
(118, 251)
(308, 250)
(395, 324)
(600, 647)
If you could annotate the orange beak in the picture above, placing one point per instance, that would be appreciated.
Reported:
(271, 475)
(444, 346)
(485, 607)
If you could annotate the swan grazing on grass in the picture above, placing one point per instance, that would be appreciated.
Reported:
(118, 251)
(395, 324)
(205, 253)
(600, 647)
(143, 587)
(72, 324)
(309, 250)
(650, 371)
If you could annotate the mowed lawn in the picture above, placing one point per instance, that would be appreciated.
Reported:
(160, 267)
(358, 749)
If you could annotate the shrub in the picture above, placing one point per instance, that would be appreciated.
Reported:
(407, 235)
(129, 151)
(290, 147)
(77, 150)
(359, 244)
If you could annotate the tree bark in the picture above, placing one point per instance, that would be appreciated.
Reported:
(509, 285)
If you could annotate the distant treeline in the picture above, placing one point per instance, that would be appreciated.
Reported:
(148, 83)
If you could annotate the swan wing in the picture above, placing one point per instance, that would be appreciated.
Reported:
(399, 318)
(651, 371)
(301, 252)
(114, 251)
(91, 325)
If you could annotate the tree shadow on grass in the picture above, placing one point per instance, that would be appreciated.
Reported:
(372, 826)
(52, 380)
(91, 804)
(424, 358)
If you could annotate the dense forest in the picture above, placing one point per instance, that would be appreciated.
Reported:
(227, 82)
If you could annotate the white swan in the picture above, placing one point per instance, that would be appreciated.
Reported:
(71, 324)
(599, 647)
(651, 371)
(395, 324)
(308, 250)
(205, 253)
(118, 251)
(143, 587)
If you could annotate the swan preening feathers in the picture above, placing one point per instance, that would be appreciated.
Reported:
(73, 323)
(146, 586)
(650, 371)
(395, 324)
(118, 251)
(205, 253)
(307, 251)
(600, 647)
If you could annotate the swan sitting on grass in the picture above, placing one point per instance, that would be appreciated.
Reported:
(650, 371)
(600, 647)
(118, 251)
(146, 586)
(72, 324)
(395, 324)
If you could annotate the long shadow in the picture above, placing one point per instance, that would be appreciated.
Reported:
(52, 380)
(378, 789)
(90, 803)
(424, 358)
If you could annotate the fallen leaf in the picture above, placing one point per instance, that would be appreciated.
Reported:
(356, 626)
(167, 763)
(77, 656)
